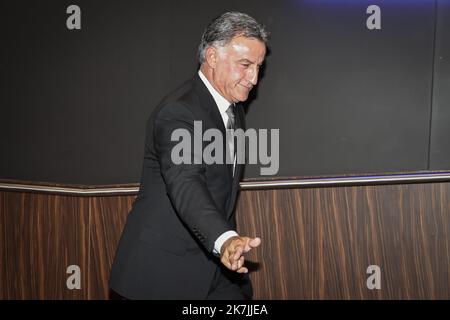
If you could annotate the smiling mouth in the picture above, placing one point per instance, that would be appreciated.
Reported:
(246, 87)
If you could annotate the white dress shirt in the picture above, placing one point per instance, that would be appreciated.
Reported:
(223, 105)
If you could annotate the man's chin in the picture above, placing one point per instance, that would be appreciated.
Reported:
(242, 98)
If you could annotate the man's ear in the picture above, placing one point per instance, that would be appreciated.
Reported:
(211, 56)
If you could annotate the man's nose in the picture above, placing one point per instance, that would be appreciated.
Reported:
(253, 75)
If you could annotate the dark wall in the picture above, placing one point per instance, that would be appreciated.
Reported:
(440, 134)
(346, 99)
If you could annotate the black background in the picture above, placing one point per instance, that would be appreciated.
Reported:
(347, 100)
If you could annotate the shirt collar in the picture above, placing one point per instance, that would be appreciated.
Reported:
(221, 102)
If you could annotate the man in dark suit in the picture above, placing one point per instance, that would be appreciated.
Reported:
(179, 241)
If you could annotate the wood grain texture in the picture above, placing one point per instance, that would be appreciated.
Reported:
(318, 242)
(108, 215)
(40, 237)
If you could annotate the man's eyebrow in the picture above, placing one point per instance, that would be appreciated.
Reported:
(245, 60)
(249, 61)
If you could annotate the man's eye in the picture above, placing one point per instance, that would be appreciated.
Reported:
(246, 65)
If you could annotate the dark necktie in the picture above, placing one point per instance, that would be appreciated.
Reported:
(231, 125)
(231, 121)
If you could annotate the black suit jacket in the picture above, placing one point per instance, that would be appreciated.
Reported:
(165, 251)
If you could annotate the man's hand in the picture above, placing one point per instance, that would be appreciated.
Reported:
(232, 252)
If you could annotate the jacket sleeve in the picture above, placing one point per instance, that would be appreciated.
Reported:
(186, 182)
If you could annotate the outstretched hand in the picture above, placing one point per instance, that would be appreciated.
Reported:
(232, 252)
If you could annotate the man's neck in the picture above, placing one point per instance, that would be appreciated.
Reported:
(208, 73)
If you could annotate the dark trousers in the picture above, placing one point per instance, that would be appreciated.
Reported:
(226, 285)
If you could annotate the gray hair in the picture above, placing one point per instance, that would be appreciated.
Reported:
(223, 29)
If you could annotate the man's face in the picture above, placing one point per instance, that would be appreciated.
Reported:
(236, 67)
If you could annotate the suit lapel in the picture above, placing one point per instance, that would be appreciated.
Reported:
(240, 124)
(208, 103)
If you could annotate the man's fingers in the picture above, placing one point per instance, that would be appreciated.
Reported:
(238, 253)
(240, 262)
(255, 242)
(233, 253)
(236, 259)
(242, 270)
(232, 262)
(225, 261)
(252, 243)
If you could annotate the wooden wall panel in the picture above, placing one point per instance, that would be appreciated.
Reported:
(41, 235)
(108, 215)
(318, 242)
